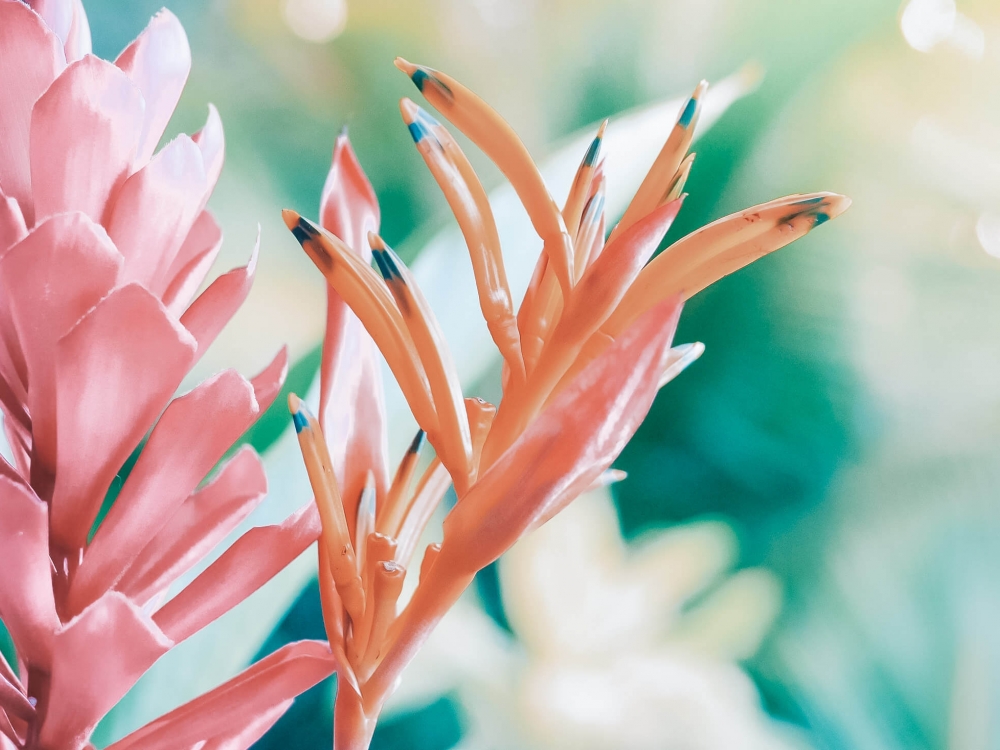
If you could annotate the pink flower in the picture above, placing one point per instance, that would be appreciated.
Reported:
(103, 244)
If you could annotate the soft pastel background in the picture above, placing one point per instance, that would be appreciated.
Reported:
(845, 419)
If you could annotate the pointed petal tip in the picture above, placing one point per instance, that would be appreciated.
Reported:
(376, 243)
(164, 14)
(613, 476)
(838, 204)
(404, 65)
(342, 147)
(251, 267)
(291, 218)
(688, 353)
(820, 207)
(694, 350)
(300, 415)
(409, 109)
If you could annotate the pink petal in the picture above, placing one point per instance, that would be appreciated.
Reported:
(115, 372)
(57, 14)
(192, 263)
(9, 737)
(31, 57)
(158, 62)
(352, 412)
(155, 210)
(212, 142)
(202, 521)
(13, 392)
(349, 208)
(13, 700)
(6, 470)
(208, 315)
(228, 711)
(605, 282)
(97, 657)
(18, 438)
(27, 605)
(252, 561)
(84, 131)
(12, 226)
(189, 439)
(8, 674)
(267, 385)
(78, 41)
(566, 447)
(62, 269)
(68, 21)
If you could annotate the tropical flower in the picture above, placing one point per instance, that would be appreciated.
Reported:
(583, 358)
(103, 245)
(616, 645)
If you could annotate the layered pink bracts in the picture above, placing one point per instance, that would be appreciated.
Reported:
(583, 358)
(103, 244)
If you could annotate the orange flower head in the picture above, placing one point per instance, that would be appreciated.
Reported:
(583, 357)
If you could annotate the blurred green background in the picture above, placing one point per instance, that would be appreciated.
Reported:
(845, 415)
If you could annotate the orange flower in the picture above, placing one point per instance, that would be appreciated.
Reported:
(584, 357)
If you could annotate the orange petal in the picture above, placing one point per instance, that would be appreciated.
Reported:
(453, 443)
(724, 246)
(468, 201)
(368, 298)
(565, 449)
(657, 182)
(488, 130)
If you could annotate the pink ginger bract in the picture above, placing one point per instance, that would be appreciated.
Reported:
(104, 242)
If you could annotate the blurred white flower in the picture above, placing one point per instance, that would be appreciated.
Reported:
(618, 646)
(315, 20)
(988, 233)
(927, 23)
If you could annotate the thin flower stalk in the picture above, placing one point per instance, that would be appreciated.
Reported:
(104, 243)
(584, 356)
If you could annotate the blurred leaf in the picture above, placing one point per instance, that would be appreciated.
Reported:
(437, 726)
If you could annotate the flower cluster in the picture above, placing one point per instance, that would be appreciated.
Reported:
(584, 356)
(104, 242)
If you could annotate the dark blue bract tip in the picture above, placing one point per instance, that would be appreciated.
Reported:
(379, 257)
(419, 78)
(392, 263)
(810, 201)
(688, 114)
(820, 218)
(300, 421)
(418, 441)
(417, 131)
(591, 157)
